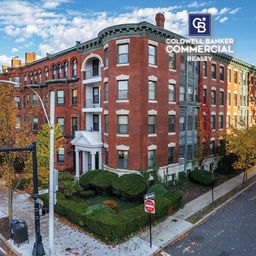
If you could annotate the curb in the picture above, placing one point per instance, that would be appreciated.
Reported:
(204, 218)
(9, 246)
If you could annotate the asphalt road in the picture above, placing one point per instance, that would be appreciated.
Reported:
(229, 232)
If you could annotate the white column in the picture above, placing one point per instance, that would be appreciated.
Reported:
(85, 162)
(100, 159)
(77, 164)
(93, 160)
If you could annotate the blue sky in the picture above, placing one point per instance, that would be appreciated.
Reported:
(53, 25)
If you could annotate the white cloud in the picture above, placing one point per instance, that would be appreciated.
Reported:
(224, 10)
(234, 11)
(52, 4)
(222, 20)
(212, 10)
(5, 60)
(14, 49)
(196, 4)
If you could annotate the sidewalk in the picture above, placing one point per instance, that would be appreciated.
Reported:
(72, 241)
(175, 225)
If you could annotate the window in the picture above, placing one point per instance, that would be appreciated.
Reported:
(204, 95)
(95, 95)
(171, 123)
(122, 90)
(106, 156)
(152, 54)
(17, 126)
(34, 100)
(190, 123)
(189, 152)
(172, 60)
(35, 124)
(27, 100)
(61, 155)
(59, 71)
(152, 90)
(213, 94)
(229, 99)
(122, 159)
(60, 97)
(106, 123)
(105, 57)
(122, 124)
(182, 151)
(213, 122)
(74, 66)
(95, 122)
(54, 72)
(235, 99)
(151, 158)
(229, 75)
(222, 98)
(46, 74)
(74, 124)
(228, 120)
(25, 80)
(65, 69)
(212, 148)
(235, 121)
(170, 155)
(31, 78)
(221, 73)
(17, 101)
(182, 123)
(60, 122)
(122, 53)
(205, 69)
(213, 71)
(74, 96)
(190, 94)
(172, 92)
(235, 77)
(106, 91)
(151, 124)
(40, 76)
(220, 121)
(182, 94)
(35, 77)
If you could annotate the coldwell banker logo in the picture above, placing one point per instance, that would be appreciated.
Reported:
(199, 24)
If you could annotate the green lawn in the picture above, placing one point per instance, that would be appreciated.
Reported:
(99, 199)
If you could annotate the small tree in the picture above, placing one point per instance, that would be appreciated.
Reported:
(242, 143)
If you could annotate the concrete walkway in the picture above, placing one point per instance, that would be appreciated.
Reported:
(175, 225)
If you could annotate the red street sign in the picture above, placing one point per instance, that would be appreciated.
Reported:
(149, 206)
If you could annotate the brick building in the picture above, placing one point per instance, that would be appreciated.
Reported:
(123, 101)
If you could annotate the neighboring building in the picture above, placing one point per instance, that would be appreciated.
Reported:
(123, 102)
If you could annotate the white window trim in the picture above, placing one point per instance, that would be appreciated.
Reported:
(122, 135)
(105, 145)
(172, 81)
(122, 64)
(152, 135)
(105, 112)
(171, 112)
(152, 112)
(171, 133)
(122, 101)
(205, 86)
(122, 112)
(105, 46)
(105, 80)
(171, 144)
(122, 147)
(152, 101)
(151, 42)
(122, 77)
(212, 139)
(152, 147)
(152, 78)
(153, 66)
(213, 88)
(123, 41)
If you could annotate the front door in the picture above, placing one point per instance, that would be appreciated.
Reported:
(97, 161)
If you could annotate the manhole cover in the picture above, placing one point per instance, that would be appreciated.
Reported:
(174, 220)
(197, 239)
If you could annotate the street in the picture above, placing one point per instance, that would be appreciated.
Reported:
(229, 232)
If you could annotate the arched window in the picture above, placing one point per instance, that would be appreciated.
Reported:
(74, 67)
(46, 73)
(65, 69)
(59, 70)
(53, 72)
(25, 79)
(39, 76)
(35, 77)
(31, 78)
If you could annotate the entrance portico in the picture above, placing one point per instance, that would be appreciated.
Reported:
(90, 146)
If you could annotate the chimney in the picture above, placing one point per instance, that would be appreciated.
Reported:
(30, 57)
(15, 62)
(5, 68)
(160, 20)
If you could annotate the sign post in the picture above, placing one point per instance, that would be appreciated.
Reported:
(149, 207)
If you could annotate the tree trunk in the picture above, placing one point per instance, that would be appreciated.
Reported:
(10, 200)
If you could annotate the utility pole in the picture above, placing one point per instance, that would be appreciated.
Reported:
(51, 176)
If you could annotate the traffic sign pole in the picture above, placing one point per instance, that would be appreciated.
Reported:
(150, 231)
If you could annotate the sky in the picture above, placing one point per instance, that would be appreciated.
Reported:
(53, 25)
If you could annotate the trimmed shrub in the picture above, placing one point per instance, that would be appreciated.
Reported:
(21, 183)
(103, 181)
(175, 198)
(130, 186)
(85, 180)
(67, 184)
(87, 193)
(158, 189)
(98, 208)
(111, 203)
(203, 178)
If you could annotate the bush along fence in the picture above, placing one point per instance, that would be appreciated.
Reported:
(101, 220)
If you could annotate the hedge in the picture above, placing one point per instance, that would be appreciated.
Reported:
(103, 181)
(203, 177)
(130, 186)
(86, 193)
(85, 180)
(158, 189)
